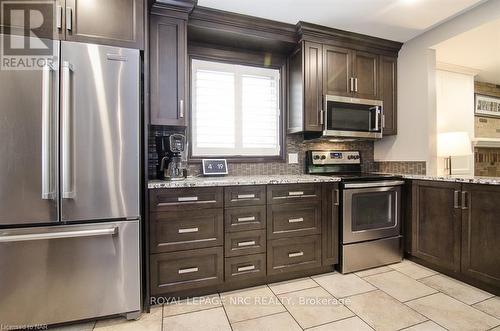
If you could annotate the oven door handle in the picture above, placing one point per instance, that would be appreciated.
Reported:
(375, 184)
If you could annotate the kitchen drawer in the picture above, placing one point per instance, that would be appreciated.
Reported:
(181, 230)
(186, 270)
(245, 267)
(293, 193)
(245, 218)
(293, 254)
(297, 219)
(235, 196)
(244, 243)
(185, 198)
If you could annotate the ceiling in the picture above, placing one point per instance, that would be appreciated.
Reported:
(478, 49)
(398, 20)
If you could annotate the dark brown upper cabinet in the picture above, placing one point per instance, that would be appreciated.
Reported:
(337, 76)
(436, 223)
(340, 63)
(388, 93)
(365, 75)
(306, 88)
(112, 22)
(168, 70)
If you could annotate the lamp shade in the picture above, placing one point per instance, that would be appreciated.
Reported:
(454, 144)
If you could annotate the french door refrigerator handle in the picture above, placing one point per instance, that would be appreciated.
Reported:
(47, 132)
(67, 171)
(59, 235)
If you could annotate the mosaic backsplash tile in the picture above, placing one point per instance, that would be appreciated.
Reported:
(294, 144)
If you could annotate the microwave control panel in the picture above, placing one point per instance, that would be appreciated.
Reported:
(335, 157)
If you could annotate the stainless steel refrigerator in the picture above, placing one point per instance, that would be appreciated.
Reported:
(69, 187)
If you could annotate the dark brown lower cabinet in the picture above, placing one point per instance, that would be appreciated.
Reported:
(456, 228)
(208, 239)
(436, 223)
(330, 224)
(186, 270)
(481, 233)
(293, 254)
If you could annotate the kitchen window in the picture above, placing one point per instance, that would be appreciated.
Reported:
(234, 110)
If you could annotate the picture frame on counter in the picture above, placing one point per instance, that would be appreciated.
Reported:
(486, 105)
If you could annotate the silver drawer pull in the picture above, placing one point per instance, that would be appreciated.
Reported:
(187, 270)
(295, 193)
(246, 219)
(246, 196)
(297, 254)
(184, 199)
(296, 220)
(246, 268)
(246, 243)
(188, 230)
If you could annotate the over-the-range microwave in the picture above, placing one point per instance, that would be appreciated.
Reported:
(347, 117)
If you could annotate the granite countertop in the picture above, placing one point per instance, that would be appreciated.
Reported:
(240, 180)
(456, 179)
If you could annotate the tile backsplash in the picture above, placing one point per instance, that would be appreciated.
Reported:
(294, 144)
(487, 162)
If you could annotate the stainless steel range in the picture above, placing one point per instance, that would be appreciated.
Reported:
(370, 213)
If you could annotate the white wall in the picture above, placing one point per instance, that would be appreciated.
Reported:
(455, 112)
(417, 119)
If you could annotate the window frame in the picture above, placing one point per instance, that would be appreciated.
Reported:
(253, 59)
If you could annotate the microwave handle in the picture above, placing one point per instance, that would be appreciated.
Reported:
(377, 111)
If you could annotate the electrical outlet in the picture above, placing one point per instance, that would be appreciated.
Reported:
(293, 158)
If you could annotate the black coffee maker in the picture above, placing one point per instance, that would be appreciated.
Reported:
(169, 149)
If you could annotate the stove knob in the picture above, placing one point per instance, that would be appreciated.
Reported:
(316, 157)
(323, 157)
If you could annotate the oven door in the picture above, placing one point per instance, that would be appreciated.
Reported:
(350, 117)
(371, 211)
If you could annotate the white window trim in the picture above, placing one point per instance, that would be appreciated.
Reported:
(239, 71)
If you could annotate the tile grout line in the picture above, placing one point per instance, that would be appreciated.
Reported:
(286, 309)
(192, 312)
(255, 318)
(430, 319)
(225, 312)
(376, 289)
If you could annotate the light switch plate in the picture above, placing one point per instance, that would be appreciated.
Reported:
(293, 158)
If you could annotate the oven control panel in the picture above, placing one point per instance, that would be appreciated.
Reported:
(335, 157)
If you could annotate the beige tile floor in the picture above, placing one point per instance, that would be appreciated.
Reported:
(403, 296)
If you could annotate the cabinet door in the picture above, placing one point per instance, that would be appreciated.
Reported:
(337, 71)
(388, 93)
(313, 91)
(11, 23)
(436, 223)
(366, 75)
(168, 70)
(111, 22)
(330, 220)
(480, 233)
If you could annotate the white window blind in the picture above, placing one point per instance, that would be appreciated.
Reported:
(235, 110)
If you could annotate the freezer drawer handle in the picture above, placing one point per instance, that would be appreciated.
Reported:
(246, 268)
(246, 196)
(246, 219)
(185, 199)
(296, 193)
(116, 57)
(297, 254)
(59, 235)
(189, 230)
(246, 243)
(296, 220)
(187, 270)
